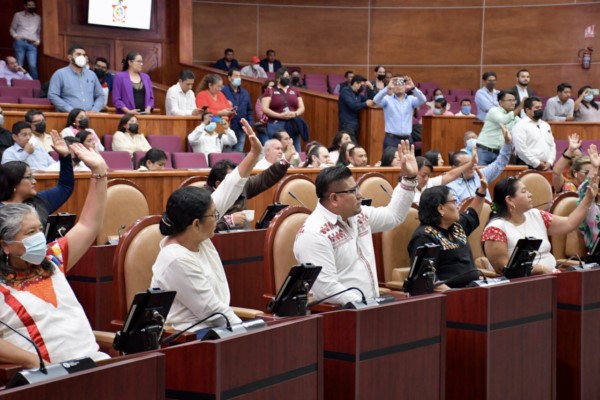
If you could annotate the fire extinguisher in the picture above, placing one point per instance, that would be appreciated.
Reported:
(585, 57)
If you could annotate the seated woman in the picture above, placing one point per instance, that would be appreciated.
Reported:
(86, 139)
(78, 165)
(287, 147)
(154, 160)
(577, 166)
(425, 169)
(435, 158)
(205, 139)
(444, 225)
(344, 155)
(586, 109)
(318, 157)
(211, 98)
(188, 261)
(17, 184)
(514, 219)
(128, 138)
(132, 88)
(43, 306)
(77, 121)
(339, 139)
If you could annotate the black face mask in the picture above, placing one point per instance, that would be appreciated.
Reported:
(133, 128)
(30, 10)
(40, 127)
(284, 81)
(84, 123)
(100, 73)
(538, 114)
(296, 79)
(381, 77)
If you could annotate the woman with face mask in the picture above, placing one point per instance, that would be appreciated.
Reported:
(132, 88)
(77, 120)
(586, 108)
(128, 137)
(205, 138)
(43, 306)
(380, 82)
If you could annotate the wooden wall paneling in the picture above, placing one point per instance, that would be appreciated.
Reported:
(94, 47)
(430, 3)
(151, 52)
(317, 3)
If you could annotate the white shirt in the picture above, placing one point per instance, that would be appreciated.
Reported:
(178, 102)
(204, 142)
(345, 250)
(45, 143)
(254, 71)
(70, 131)
(434, 181)
(124, 141)
(198, 277)
(262, 164)
(534, 142)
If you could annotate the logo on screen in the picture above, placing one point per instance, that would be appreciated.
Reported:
(119, 12)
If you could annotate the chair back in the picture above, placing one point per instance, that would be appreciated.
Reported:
(198, 181)
(167, 143)
(132, 264)
(38, 101)
(125, 203)
(370, 186)
(571, 244)
(189, 160)
(234, 156)
(9, 100)
(475, 236)
(10, 91)
(394, 244)
(107, 140)
(538, 186)
(300, 186)
(117, 159)
(279, 245)
(3, 81)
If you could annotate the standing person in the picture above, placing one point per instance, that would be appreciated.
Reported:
(25, 29)
(180, 97)
(532, 137)
(105, 78)
(348, 75)
(585, 108)
(379, 83)
(486, 97)
(522, 89)
(77, 120)
(350, 102)
(240, 99)
(398, 109)
(132, 88)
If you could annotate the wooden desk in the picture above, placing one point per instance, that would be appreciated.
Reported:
(138, 378)
(282, 361)
(394, 351)
(578, 338)
(501, 341)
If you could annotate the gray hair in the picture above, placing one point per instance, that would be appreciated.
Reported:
(11, 219)
(268, 144)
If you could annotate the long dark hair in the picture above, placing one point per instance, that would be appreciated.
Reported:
(129, 57)
(72, 116)
(342, 159)
(506, 187)
(153, 155)
(593, 102)
(430, 200)
(11, 174)
(335, 143)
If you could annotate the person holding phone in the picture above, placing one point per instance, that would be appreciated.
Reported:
(210, 95)
(205, 139)
(586, 108)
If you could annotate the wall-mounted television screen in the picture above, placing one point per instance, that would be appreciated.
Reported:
(120, 13)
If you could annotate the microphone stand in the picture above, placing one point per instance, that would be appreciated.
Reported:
(175, 336)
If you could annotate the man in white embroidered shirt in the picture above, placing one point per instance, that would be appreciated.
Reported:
(337, 235)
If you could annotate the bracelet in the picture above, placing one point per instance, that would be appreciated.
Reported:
(479, 194)
(99, 176)
(566, 156)
(408, 178)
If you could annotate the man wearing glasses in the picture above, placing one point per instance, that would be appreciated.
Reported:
(337, 235)
(491, 138)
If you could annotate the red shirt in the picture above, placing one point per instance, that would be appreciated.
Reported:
(277, 103)
(204, 98)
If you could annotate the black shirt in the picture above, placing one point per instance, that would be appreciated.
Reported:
(455, 257)
(139, 97)
(6, 140)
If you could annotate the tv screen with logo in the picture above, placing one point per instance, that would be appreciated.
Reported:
(120, 13)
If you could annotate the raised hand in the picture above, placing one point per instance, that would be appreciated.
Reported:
(92, 159)
(406, 152)
(483, 183)
(58, 144)
(592, 189)
(506, 134)
(474, 156)
(594, 157)
(255, 145)
(574, 142)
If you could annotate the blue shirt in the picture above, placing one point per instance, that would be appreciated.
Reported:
(69, 90)
(398, 113)
(464, 188)
(220, 64)
(39, 160)
(241, 100)
(485, 101)
(349, 104)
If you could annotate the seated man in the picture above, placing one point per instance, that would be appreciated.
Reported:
(439, 108)
(470, 139)
(465, 109)
(227, 62)
(338, 234)
(181, 99)
(532, 137)
(467, 185)
(40, 138)
(358, 157)
(560, 107)
(254, 70)
(348, 75)
(272, 152)
(23, 150)
(234, 217)
(270, 63)
(11, 69)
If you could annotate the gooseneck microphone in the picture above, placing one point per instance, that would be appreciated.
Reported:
(385, 190)
(37, 350)
(363, 300)
(454, 278)
(467, 184)
(296, 198)
(175, 336)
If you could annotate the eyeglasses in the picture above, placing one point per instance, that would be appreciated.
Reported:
(585, 172)
(216, 215)
(353, 191)
(30, 178)
(455, 201)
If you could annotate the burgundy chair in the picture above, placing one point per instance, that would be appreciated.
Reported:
(189, 160)
(34, 85)
(9, 91)
(167, 143)
(427, 87)
(9, 99)
(334, 80)
(293, 68)
(138, 155)
(461, 93)
(214, 158)
(35, 100)
(3, 82)
(270, 75)
(107, 141)
(54, 155)
(117, 159)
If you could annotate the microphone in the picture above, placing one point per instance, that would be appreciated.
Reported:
(363, 300)
(385, 190)
(37, 349)
(466, 184)
(473, 283)
(236, 329)
(296, 198)
(175, 336)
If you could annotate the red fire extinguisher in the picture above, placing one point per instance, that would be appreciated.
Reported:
(585, 57)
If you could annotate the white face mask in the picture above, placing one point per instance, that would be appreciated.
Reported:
(80, 61)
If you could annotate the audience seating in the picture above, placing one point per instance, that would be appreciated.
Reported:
(35, 100)
(167, 143)
(481, 261)
(334, 80)
(189, 160)
(9, 91)
(270, 75)
(234, 156)
(198, 181)
(138, 155)
(461, 93)
(9, 99)
(54, 155)
(3, 82)
(572, 244)
(125, 203)
(107, 141)
(370, 188)
(427, 87)
(301, 187)
(538, 186)
(34, 85)
(117, 159)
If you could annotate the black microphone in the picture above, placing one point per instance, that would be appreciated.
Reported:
(296, 198)
(175, 336)
(37, 350)
(439, 283)
(363, 300)
(385, 190)
(467, 184)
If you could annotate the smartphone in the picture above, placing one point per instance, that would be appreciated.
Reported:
(398, 81)
(217, 118)
(595, 92)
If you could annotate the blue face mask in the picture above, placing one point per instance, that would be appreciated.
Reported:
(210, 127)
(236, 81)
(35, 248)
(466, 110)
(437, 111)
(589, 97)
